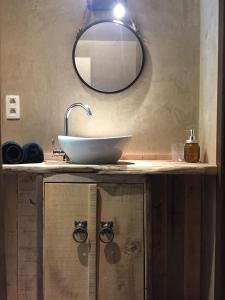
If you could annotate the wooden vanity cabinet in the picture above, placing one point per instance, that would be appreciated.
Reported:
(94, 270)
(163, 248)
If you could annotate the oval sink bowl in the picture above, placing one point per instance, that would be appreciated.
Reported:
(84, 150)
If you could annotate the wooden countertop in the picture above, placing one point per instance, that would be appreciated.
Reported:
(122, 167)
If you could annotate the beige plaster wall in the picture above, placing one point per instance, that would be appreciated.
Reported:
(37, 40)
(208, 78)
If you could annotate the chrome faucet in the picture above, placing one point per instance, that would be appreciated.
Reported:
(59, 151)
(68, 111)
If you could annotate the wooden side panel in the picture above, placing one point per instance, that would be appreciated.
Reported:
(21, 196)
(92, 219)
(10, 213)
(208, 239)
(148, 239)
(159, 195)
(176, 237)
(65, 261)
(27, 237)
(3, 279)
(121, 263)
(39, 205)
(192, 237)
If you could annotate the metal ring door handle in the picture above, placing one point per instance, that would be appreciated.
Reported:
(80, 233)
(106, 234)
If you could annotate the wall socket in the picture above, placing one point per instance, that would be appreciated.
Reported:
(12, 107)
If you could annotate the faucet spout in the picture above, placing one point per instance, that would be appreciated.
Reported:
(68, 111)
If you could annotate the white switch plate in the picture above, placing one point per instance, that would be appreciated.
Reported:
(12, 107)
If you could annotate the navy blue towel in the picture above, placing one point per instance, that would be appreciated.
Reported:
(32, 153)
(12, 153)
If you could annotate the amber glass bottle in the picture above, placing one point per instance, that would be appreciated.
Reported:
(191, 149)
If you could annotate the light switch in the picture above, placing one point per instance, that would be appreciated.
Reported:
(12, 107)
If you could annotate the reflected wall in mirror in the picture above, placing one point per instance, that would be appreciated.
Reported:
(108, 56)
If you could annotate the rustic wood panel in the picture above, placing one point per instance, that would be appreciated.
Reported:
(159, 236)
(208, 239)
(11, 242)
(3, 278)
(148, 239)
(176, 237)
(121, 263)
(92, 220)
(93, 178)
(65, 261)
(40, 215)
(192, 237)
(136, 167)
(21, 196)
(27, 238)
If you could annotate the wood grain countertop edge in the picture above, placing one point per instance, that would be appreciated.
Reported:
(122, 167)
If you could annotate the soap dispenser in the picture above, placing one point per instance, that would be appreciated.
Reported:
(191, 148)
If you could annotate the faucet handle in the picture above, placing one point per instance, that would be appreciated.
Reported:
(53, 143)
(56, 151)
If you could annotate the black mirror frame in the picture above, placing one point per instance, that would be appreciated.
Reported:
(83, 30)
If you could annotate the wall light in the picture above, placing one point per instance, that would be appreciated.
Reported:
(119, 11)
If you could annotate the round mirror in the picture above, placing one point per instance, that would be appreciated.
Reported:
(108, 56)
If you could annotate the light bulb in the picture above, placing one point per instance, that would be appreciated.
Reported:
(119, 11)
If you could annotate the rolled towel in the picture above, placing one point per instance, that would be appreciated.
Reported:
(12, 153)
(32, 153)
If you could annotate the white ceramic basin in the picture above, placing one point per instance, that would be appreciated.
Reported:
(83, 150)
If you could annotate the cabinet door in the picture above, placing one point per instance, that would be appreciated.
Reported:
(68, 272)
(121, 262)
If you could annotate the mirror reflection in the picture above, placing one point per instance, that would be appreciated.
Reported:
(108, 56)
